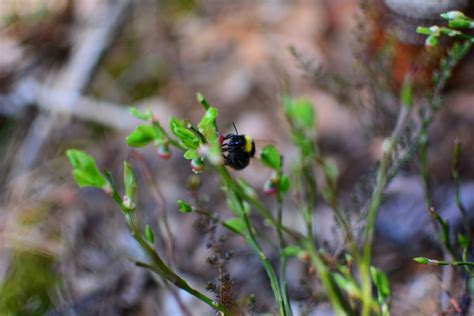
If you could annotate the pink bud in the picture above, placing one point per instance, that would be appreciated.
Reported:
(269, 188)
(164, 152)
(197, 165)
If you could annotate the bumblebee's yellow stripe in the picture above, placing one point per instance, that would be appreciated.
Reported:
(248, 143)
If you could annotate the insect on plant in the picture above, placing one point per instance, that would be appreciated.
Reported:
(237, 149)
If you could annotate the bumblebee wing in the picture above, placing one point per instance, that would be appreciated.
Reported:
(264, 141)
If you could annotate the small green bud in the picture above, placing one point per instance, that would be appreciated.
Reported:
(422, 260)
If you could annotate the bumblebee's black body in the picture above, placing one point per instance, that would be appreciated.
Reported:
(237, 150)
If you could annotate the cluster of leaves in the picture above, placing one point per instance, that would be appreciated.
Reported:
(457, 22)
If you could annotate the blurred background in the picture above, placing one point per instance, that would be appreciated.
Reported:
(69, 71)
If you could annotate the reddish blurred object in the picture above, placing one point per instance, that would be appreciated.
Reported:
(393, 25)
(405, 17)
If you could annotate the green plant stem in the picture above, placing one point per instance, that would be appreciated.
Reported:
(229, 182)
(425, 175)
(445, 236)
(376, 200)
(457, 184)
(262, 210)
(283, 258)
(160, 267)
(310, 182)
(170, 139)
(334, 294)
(454, 263)
(252, 241)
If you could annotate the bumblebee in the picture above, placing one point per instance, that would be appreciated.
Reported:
(237, 149)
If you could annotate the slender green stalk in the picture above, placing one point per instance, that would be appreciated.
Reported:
(266, 265)
(374, 206)
(283, 258)
(229, 182)
(310, 198)
(425, 175)
(340, 305)
(457, 184)
(160, 267)
(255, 202)
(454, 263)
(171, 140)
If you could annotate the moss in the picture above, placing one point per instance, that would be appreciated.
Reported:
(25, 290)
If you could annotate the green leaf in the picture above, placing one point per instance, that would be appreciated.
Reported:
(381, 282)
(149, 234)
(463, 241)
(85, 171)
(423, 30)
(300, 112)
(270, 157)
(145, 116)
(291, 251)
(190, 154)
(174, 121)
(207, 127)
(186, 137)
(209, 118)
(129, 181)
(348, 285)
(284, 184)
(236, 224)
(184, 207)
(143, 135)
(201, 99)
